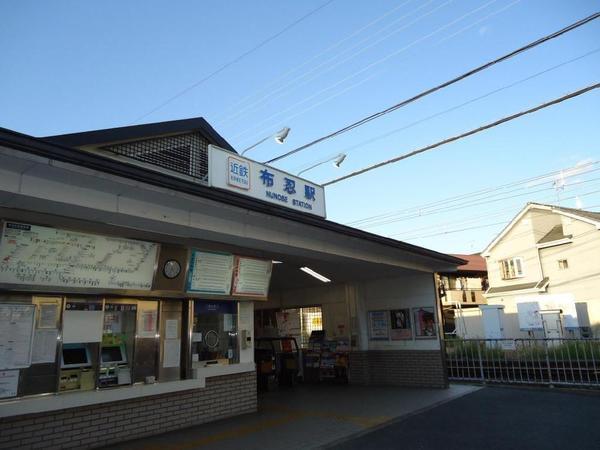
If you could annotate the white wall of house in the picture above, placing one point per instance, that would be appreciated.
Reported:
(581, 279)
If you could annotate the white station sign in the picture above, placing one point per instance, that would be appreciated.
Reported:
(235, 173)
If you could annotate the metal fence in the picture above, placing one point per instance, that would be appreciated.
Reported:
(573, 362)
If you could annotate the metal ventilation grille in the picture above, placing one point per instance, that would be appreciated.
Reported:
(184, 153)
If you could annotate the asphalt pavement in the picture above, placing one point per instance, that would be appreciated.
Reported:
(495, 418)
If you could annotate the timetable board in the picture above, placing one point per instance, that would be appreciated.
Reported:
(43, 256)
(210, 273)
(252, 277)
(16, 335)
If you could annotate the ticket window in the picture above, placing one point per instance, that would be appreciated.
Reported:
(117, 347)
(215, 333)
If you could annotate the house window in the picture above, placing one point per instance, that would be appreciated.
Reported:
(511, 268)
(563, 264)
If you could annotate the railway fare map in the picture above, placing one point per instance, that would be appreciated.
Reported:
(43, 256)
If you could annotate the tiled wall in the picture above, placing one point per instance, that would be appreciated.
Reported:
(99, 425)
(423, 368)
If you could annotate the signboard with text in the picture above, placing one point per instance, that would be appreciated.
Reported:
(251, 277)
(235, 173)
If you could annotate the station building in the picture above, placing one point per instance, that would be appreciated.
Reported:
(139, 265)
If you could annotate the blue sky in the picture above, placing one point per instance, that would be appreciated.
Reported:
(73, 66)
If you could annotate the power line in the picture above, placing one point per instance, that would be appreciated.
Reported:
(470, 73)
(466, 134)
(495, 213)
(486, 225)
(233, 61)
(571, 171)
(468, 102)
(266, 96)
(369, 66)
(478, 201)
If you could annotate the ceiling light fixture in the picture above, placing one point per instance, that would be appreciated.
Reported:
(312, 273)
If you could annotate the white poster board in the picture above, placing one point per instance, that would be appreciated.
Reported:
(44, 346)
(252, 277)
(16, 335)
(210, 273)
(529, 307)
(171, 353)
(244, 176)
(82, 322)
(9, 383)
(42, 256)
(529, 316)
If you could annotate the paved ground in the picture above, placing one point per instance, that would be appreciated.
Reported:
(304, 417)
(496, 418)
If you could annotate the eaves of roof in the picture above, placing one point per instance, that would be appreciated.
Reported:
(538, 285)
(32, 145)
(145, 131)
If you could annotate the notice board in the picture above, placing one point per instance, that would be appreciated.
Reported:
(16, 335)
(210, 273)
(251, 277)
(43, 256)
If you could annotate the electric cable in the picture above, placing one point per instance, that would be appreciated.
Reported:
(269, 95)
(478, 202)
(461, 77)
(233, 61)
(466, 134)
(466, 103)
(578, 169)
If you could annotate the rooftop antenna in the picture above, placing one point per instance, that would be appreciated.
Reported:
(559, 185)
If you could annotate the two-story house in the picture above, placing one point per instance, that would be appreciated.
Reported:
(544, 269)
(462, 289)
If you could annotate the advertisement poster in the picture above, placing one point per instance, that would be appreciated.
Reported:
(379, 325)
(147, 324)
(424, 319)
(400, 324)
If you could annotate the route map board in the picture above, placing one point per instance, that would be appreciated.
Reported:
(251, 277)
(43, 256)
(210, 273)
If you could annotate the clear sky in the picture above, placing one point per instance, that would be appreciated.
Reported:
(71, 66)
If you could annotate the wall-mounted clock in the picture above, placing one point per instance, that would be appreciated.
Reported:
(172, 268)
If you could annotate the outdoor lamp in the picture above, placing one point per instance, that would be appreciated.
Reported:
(280, 136)
(337, 162)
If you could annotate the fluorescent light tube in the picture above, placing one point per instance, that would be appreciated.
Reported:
(312, 273)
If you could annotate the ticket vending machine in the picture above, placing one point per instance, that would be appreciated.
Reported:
(118, 336)
(114, 368)
(76, 371)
